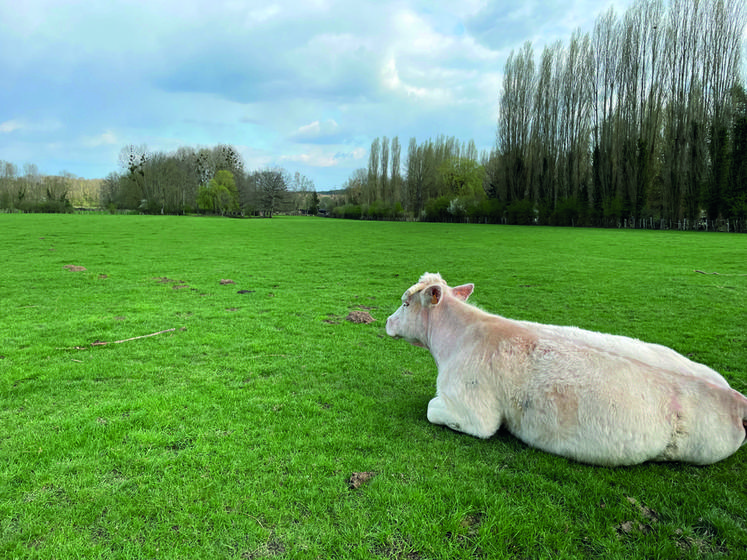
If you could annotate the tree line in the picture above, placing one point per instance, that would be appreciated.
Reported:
(189, 180)
(27, 190)
(207, 180)
(642, 122)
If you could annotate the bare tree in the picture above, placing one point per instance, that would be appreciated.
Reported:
(725, 22)
(372, 187)
(421, 171)
(515, 119)
(575, 118)
(272, 190)
(133, 160)
(384, 174)
(604, 84)
(355, 185)
(544, 141)
(396, 177)
(301, 189)
(683, 145)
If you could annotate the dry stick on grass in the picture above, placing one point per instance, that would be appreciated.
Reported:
(719, 274)
(101, 343)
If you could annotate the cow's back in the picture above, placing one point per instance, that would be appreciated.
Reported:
(602, 407)
(648, 353)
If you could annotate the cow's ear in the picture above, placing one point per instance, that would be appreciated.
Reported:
(432, 295)
(464, 291)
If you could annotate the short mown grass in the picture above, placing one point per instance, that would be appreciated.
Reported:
(238, 433)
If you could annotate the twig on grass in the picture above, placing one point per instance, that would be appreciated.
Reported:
(104, 343)
(718, 273)
(255, 519)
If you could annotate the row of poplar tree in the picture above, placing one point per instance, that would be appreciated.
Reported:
(641, 122)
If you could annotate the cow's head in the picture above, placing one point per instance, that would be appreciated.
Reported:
(413, 317)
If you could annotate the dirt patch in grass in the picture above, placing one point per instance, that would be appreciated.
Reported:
(400, 549)
(698, 540)
(467, 535)
(355, 316)
(178, 284)
(273, 547)
(332, 319)
(358, 479)
(699, 543)
(645, 525)
(74, 268)
(359, 317)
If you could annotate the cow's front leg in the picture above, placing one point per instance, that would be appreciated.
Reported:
(448, 413)
(439, 413)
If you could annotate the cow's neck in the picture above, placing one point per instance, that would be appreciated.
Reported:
(447, 326)
(457, 327)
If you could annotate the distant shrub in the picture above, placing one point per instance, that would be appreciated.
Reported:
(46, 207)
(378, 210)
(6, 201)
(613, 210)
(348, 211)
(437, 210)
(441, 209)
(487, 211)
(520, 212)
(458, 208)
(567, 213)
(398, 212)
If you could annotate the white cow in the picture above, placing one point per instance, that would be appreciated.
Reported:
(596, 398)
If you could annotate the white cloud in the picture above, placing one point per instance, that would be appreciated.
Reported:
(11, 126)
(41, 126)
(255, 158)
(106, 138)
(313, 160)
(417, 94)
(325, 157)
(315, 131)
(262, 15)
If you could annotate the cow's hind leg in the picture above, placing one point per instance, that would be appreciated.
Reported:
(447, 413)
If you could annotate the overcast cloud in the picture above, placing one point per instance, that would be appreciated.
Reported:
(301, 84)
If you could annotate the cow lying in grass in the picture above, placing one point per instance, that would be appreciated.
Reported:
(595, 398)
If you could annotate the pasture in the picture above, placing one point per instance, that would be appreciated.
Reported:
(262, 424)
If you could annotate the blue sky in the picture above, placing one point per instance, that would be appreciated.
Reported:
(304, 85)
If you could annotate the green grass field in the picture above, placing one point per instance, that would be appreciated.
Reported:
(239, 433)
